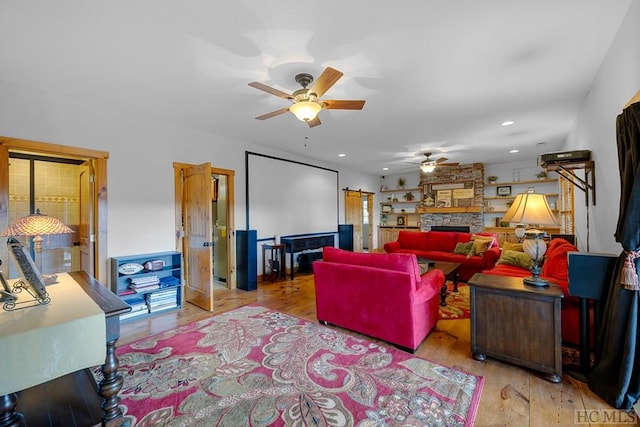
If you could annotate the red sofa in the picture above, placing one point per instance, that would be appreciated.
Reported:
(439, 246)
(380, 295)
(555, 268)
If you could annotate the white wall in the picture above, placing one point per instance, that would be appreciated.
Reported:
(594, 129)
(140, 166)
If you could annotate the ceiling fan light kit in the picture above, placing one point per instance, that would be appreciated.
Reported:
(306, 102)
(305, 110)
(427, 167)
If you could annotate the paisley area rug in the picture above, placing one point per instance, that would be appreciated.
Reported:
(256, 367)
(458, 303)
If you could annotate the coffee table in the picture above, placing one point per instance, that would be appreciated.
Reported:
(450, 270)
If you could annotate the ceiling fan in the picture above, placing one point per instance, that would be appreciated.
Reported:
(306, 102)
(428, 165)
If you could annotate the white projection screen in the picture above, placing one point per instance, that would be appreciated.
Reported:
(286, 197)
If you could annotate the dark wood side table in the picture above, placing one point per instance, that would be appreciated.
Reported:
(274, 262)
(517, 323)
(450, 270)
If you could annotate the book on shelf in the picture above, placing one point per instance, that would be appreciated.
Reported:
(157, 308)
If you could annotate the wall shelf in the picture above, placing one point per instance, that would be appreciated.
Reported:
(532, 181)
(400, 190)
(459, 209)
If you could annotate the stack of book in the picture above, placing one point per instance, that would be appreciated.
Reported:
(162, 300)
(138, 308)
(145, 283)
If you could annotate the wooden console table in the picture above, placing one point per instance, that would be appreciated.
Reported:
(110, 385)
(516, 323)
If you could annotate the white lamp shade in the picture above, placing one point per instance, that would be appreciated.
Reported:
(305, 110)
(530, 208)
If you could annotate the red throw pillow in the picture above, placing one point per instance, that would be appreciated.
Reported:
(413, 240)
(556, 263)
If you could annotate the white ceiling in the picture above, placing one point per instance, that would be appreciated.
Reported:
(437, 75)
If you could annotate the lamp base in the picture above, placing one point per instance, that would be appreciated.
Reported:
(535, 281)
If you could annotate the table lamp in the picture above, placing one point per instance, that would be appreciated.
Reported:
(533, 210)
(36, 225)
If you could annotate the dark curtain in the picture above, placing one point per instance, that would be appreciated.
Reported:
(616, 374)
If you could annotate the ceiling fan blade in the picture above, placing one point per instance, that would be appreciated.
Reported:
(342, 104)
(315, 122)
(327, 79)
(271, 90)
(273, 114)
(441, 159)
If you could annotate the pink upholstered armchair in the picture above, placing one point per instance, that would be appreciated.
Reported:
(380, 295)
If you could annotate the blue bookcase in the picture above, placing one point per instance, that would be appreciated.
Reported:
(150, 283)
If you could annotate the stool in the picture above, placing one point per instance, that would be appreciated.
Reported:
(273, 262)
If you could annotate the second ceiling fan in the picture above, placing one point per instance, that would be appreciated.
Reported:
(306, 102)
(428, 165)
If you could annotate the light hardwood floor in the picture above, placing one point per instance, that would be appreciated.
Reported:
(512, 396)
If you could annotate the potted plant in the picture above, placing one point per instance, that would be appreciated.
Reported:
(542, 175)
(491, 179)
(401, 182)
(408, 196)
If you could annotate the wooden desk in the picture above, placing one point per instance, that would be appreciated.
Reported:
(517, 323)
(110, 386)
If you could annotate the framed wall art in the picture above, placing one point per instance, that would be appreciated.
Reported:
(503, 190)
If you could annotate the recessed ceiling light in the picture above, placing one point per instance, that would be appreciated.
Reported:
(514, 151)
(385, 169)
(507, 123)
(342, 155)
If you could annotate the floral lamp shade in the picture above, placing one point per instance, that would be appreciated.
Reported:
(36, 224)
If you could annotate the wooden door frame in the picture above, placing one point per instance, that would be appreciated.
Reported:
(99, 159)
(178, 173)
(370, 209)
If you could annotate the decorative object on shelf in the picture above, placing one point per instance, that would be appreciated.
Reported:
(130, 268)
(156, 264)
(408, 196)
(37, 225)
(492, 179)
(429, 200)
(401, 182)
(532, 209)
(400, 220)
(386, 208)
(503, 190)
(541, 175)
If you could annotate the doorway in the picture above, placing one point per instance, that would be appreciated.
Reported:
(68, 183)
(219, 227)
(50, 186)
(357, 206)
(205, 229)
